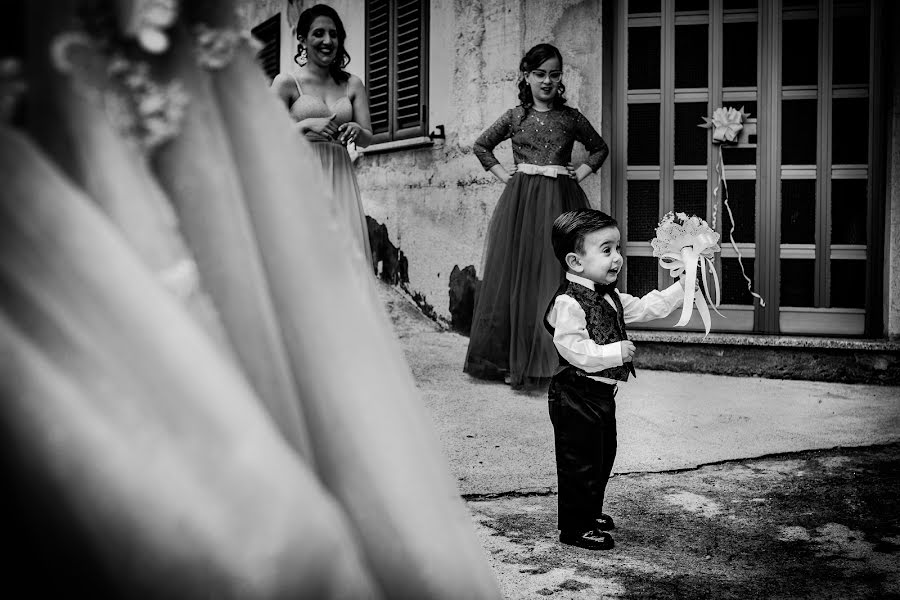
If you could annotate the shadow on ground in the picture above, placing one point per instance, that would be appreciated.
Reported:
(820, 524)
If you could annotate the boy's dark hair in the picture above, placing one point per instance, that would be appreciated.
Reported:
(570, 229)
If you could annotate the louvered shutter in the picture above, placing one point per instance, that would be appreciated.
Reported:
(269, 33)
(378, 60)
(408, 78)
(396, 67)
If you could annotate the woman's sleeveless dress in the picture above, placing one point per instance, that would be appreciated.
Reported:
(337, 165)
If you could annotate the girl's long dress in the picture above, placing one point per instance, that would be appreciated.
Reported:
(337, 166)
(520, 272)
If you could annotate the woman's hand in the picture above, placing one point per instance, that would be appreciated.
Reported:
(572, 173)
(322, 126)
(348, 132)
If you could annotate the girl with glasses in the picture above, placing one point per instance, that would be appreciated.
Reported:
(520, 273)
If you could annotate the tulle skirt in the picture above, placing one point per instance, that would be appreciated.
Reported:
(520, 274)
(347, 202)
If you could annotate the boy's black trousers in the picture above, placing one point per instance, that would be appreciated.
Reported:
(583, 413)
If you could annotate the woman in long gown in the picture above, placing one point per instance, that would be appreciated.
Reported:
(331, 109)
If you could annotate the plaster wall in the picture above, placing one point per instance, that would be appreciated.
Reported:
(437, 201)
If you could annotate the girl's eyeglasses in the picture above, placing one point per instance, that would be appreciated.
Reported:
(555, 76)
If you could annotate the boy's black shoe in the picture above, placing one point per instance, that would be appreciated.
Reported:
(591, 540)
(605, 522)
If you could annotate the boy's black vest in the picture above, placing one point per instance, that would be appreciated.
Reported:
(605, 325)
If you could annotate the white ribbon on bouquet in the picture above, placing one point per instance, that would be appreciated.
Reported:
(681, 249)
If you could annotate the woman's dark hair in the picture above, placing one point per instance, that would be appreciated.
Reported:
(342, 58)
(570, 229)
(533, 59)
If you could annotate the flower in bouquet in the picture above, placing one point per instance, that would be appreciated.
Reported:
(683, 244)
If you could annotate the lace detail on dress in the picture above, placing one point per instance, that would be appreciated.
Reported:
(147, 20)
(12, 87)
(541, 138)
(215, 47)
(145, 111)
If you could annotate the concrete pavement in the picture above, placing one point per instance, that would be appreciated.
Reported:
(499, 441)
(724, 487)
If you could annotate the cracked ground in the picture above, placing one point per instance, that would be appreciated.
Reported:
(818, 525)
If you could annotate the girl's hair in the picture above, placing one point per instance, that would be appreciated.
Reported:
(342, 58)
(533, 59)
(570, 229)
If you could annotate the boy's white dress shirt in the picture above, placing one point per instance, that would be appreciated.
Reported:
(570, 325)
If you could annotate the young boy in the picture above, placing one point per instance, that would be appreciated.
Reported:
(587, 319)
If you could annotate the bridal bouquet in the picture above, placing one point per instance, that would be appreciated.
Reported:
(683, 244)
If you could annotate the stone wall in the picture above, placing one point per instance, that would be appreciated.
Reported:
(437, 201)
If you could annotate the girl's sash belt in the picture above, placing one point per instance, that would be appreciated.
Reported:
(545, 170)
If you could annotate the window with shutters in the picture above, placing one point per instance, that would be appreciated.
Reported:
(396, 68)
(269, 34)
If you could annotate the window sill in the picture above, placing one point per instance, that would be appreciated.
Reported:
(407, 144)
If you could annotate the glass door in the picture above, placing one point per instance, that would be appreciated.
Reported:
(800, 198)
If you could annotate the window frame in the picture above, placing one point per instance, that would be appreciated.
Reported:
(395, 135)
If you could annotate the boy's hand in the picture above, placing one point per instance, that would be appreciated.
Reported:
(628, 350)
(681, 280)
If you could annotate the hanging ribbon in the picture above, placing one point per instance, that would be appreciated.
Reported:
(726, 123)
(683, 244)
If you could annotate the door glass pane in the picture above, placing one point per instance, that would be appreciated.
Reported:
(643, 134)
(643, 58)
(738, 4)
(851, 47)
(739, 55)
(799, 3)
(739, 156)
(798, 132)
(691, 53)
(690, 197)
(642, 274)
(799, 62)
(850, 123)
(643, 210)
(742, 200)
(693, 5)
(643, 6)
(797, 279)
(848, 283)
(734, 286)
(798, 211)
(849, 211)
(691, 142)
